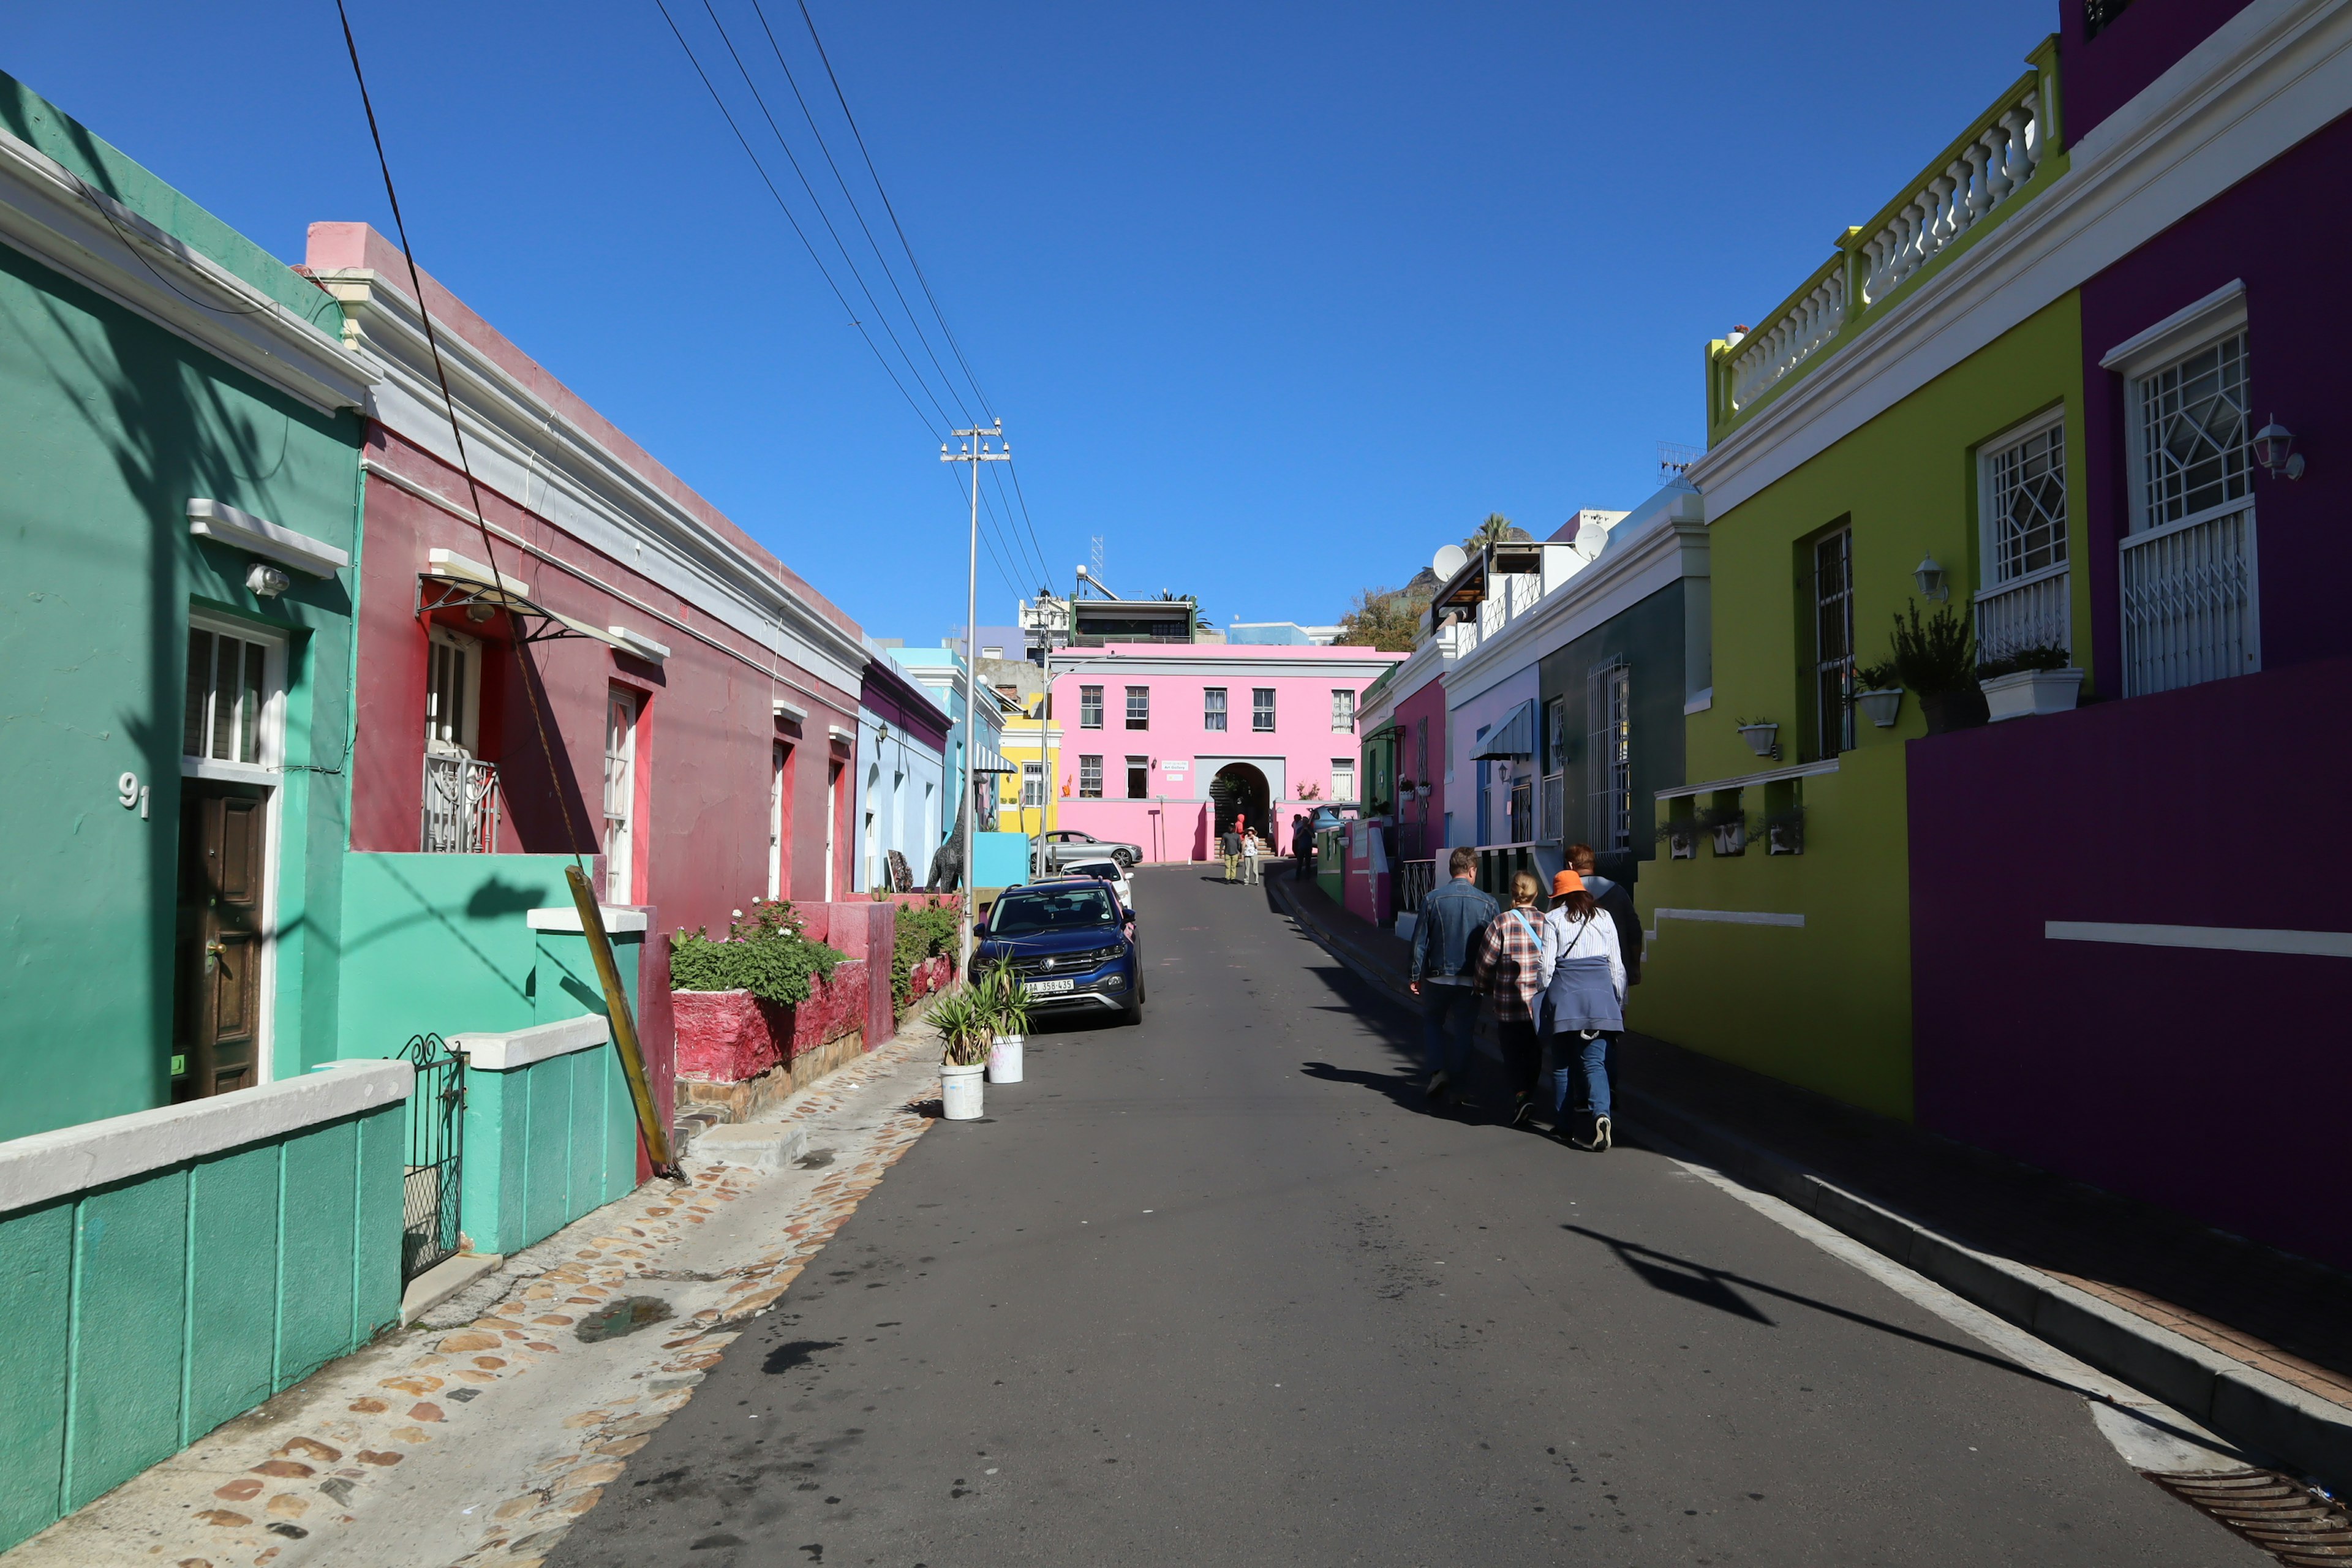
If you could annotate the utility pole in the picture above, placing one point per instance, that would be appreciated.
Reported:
(975, 452)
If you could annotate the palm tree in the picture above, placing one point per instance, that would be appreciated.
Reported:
(1497, 529)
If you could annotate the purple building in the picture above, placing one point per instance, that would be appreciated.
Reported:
(2130, 962)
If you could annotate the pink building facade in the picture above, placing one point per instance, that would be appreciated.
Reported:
(1162, 745)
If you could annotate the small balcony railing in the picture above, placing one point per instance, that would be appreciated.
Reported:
(2190, 608)
(461, 805)
(1415, 878)
(2032, 611)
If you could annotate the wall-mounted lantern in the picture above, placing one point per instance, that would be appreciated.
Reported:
(2274, 451)
(1930, 575)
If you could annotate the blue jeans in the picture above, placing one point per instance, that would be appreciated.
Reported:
(1581, 1078)
(1443, 1049)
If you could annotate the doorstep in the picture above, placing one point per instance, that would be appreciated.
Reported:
(443, 1280)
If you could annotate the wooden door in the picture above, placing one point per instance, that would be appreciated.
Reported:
(224, 843)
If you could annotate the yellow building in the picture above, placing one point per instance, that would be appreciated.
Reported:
(1032, 744)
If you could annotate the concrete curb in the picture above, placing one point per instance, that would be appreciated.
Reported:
(2300, 1431)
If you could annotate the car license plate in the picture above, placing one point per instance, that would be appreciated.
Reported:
(1045, 987)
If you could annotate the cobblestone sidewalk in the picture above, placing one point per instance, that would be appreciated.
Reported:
(480, 1434)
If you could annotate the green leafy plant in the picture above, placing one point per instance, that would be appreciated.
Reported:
(765, 953)
(1783, 832)
(1879, 677)
(1006, 998)
(925, 932)
(1933, 657)
(965, 1028)
(2028, 655)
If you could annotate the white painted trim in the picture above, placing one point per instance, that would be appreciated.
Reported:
(2265, 80)
(1728, 917)
(1770, 775)
(637, 643)
(2219, 314)
(242, 531)
(566, 918)
(531, 453)
(784, 710)
(1700, 703)
(230, 772)
(2220, 938)
(48, 1165)
(839, 733)
(520, 1047)
(51, 214)
(464, 568)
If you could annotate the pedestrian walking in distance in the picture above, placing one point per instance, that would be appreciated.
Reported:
(1251, 851)
(1509, 970)
(1583, 978)
(1616, 901)
(1229, 845)
(1444, 943)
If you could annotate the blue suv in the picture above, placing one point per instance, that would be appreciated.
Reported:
(1073, 944)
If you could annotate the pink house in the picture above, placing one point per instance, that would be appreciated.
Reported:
(1162, 745)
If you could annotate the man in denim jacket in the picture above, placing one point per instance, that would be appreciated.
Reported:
(1444, 947)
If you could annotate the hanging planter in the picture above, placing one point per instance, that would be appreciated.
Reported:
(1880, 707)
(1762, 735)
(1728, 827)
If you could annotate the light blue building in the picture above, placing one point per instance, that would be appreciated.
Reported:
(941, 672)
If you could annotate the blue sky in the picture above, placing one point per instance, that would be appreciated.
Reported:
(1276, 299)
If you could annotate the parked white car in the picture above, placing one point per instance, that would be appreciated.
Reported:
(1108, 869)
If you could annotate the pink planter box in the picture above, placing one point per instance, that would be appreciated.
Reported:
(729, 1036)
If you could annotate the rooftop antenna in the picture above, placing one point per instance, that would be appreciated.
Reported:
(1674, 460)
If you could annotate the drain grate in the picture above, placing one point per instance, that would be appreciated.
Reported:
(2286, 1519)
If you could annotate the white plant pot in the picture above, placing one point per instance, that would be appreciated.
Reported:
(2030, 691)
(1881, 707)
(1004, 1058)
(1761, 738)
(960, 1092)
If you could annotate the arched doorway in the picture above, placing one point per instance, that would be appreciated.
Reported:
(1240, 792)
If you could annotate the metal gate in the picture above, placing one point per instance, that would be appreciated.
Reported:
(437, 1145)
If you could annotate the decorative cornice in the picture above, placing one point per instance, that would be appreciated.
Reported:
(540, 460)
(2264, 80)
(57, 218)
(1661, 552)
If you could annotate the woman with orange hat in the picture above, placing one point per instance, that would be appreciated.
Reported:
(1582, 972)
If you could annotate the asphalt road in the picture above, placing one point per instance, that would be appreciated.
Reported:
(1215, 1289)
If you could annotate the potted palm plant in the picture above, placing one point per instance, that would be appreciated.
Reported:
(1007, 1000)
(966, 1028)
(1936, 659)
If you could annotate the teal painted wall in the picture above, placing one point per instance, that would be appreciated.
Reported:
(1649, 636)
(109, 424)
(545, 1144)
(143, 1314)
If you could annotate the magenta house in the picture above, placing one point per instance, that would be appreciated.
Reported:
(2131, 936)
(1164, 744)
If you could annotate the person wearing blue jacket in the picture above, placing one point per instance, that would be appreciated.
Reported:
(1444, 948)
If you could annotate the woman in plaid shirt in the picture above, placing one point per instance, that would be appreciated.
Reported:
(1509, 959)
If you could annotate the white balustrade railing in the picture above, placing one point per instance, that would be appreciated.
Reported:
(1494, 614)
(2032, 611)
(2191, 605)
(1985, 174)
(461, 805)
(1774, 351)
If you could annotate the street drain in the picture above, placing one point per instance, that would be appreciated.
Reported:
(2286, 1519)
(625, 1316)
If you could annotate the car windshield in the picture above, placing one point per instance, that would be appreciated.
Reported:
(1059, 908)
(1095, 868)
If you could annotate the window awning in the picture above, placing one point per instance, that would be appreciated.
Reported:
(450, 581)
(1514, 737)
(990, 762)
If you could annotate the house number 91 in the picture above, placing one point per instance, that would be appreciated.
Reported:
(132, 794)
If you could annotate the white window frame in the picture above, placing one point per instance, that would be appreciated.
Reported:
(1137, 764)
(1609, 753)
(1343, 779)
(2218, 317)
(1090, 707)
(2058, 573)
(776, 756)
(468, 738)
(1214, 708)
(1090, 761)
(620, 847)
(1138, 706)
(1262, 707)
(1032, 786)
(1343, 709)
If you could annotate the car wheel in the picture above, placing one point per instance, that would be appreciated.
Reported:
(1132, 1014)
(1126, 860)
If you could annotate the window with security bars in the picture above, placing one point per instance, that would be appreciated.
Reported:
(1033, 786)
(1343, 709)
(1139, 708)
(1609, 754)
(620, 794)
(2189, 591)
(1090, 778)
(1262, 710)
(1212, 708)
(227, 698)
(1834, 644)
(1089, 707)
(2024, 603)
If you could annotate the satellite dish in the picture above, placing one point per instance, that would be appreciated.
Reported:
(1448, 560)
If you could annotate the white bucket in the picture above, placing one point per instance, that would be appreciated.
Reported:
(1005, 1059)
(960, 1092)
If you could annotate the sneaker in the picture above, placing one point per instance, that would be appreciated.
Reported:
(1523, 1110)
(1600, 1135)
(1434, 1091)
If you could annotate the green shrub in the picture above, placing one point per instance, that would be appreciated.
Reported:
(764, 952)
(925, 932)
(1935, 655)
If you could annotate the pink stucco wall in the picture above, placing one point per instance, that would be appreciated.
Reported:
(1174, 820)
